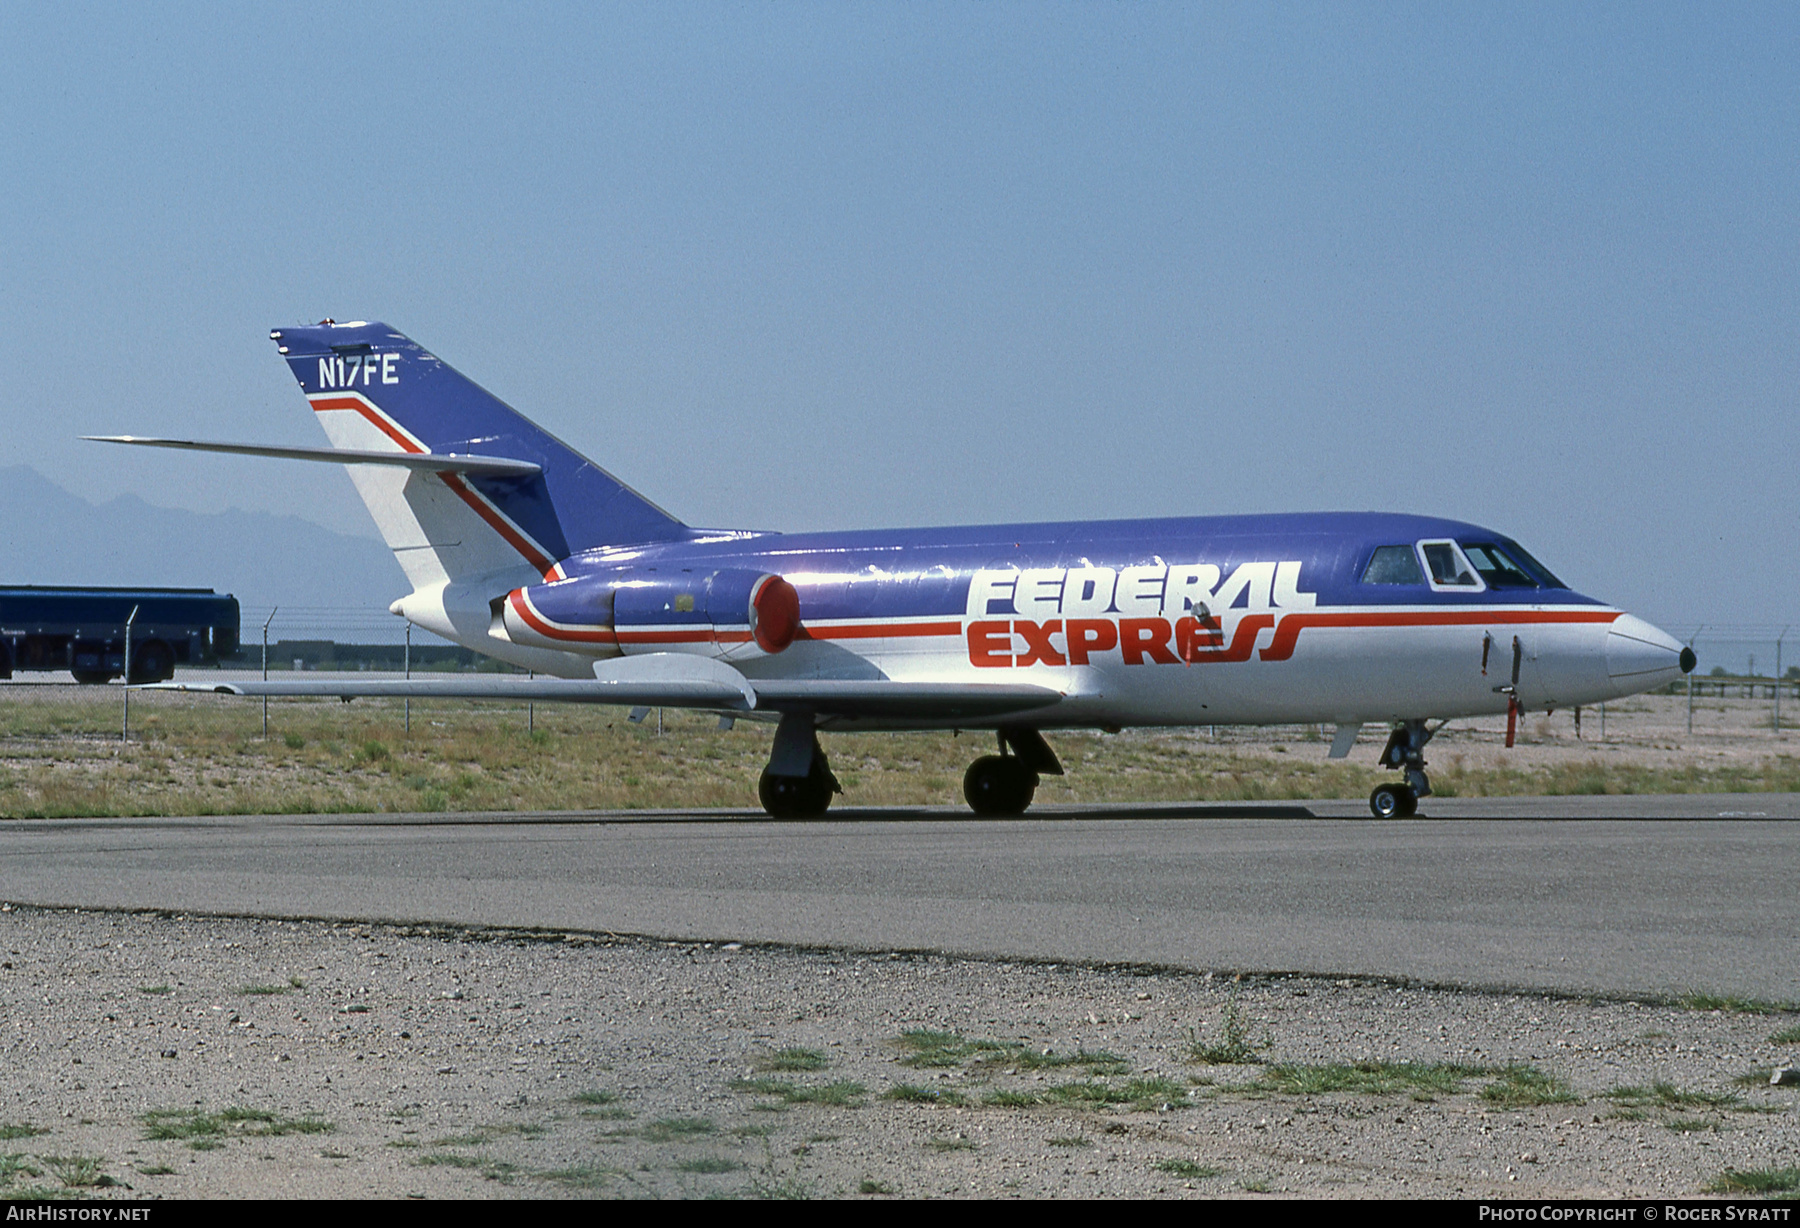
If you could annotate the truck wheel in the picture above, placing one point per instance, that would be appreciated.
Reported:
(152, 661)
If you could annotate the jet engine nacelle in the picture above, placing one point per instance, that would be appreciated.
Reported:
(731, 613)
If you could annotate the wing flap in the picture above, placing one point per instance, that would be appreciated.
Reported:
(886, 698)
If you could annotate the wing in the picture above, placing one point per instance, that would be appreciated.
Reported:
(674, 680)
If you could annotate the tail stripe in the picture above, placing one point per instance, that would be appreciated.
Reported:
(517, 538)
(380, 421)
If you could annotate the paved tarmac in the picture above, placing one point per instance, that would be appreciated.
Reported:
(1617, 906)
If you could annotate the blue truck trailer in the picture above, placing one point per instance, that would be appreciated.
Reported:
(82, 630)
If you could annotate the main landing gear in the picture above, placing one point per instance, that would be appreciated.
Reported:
(800, 797)
(798, 783)
(1004, 784)
(1405, 750)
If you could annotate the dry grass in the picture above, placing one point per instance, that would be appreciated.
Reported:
(60, 755)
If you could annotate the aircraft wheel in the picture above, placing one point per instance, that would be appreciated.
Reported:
(1393, 801)
(91, 677)
(795, 797)
(997, 785)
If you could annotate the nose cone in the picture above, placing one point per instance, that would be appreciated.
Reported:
(1639, 656)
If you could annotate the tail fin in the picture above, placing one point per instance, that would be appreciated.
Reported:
(373, 389)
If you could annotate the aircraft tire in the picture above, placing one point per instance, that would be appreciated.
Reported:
(795, 797)
(91, 677)
(999, 785)
(1393, 801)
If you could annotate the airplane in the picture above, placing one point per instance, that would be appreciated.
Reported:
(519, 547)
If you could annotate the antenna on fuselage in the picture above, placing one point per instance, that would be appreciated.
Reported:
(1512, 694)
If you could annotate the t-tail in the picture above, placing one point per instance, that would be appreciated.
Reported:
(376, 391)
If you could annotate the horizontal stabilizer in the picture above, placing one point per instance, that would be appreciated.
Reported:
(431, 462)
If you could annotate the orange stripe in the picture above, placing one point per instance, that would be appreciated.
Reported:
(1291, 625)
(550, 631)
(380, 423)
(699, 635)
(537, 558)
(876, 631)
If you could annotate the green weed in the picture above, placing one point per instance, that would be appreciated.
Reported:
(12, 1167)
(787, 1189)
(926, 1049)
(678, 1129)
(79, 1172)
(709, 1164)
(1664, 1095)
(1527, 1086)
(1370, 1078)
(293, 985)
(204, 1131)
(842, 1094)
(1234, 1046)
(1755, 1181)
(1737, 1006)
(908, 1093)
(1186, 1169)
(792, 1061)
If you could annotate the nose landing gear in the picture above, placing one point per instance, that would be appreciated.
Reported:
(1405, 750)
(1393, 801)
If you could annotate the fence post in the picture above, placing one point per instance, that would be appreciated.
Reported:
(1690, 678)
(265, 671)
(1778, 640)
(408, 667)
(125, 718)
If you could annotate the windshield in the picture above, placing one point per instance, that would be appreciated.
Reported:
(1505, 565)
(1497, 567)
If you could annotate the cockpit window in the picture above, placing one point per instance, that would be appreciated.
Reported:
(1447, 567)
(1536, 568)
(1497, 567)
(1393, 565)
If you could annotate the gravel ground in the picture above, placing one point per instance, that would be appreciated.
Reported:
(317, 1059)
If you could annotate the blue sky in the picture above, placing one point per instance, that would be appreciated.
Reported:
(840, 266)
